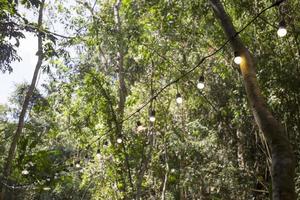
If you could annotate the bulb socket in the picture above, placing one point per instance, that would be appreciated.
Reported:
(282, 24)
(138, 123)
(201, 79)
(152, 113)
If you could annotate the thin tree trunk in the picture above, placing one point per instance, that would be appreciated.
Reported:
(283, 163)
(120, 58)
(144, 164)
(163, 193)
(122, 84)
(12, 150)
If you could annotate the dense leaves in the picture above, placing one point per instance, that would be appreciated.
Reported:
(77, 145)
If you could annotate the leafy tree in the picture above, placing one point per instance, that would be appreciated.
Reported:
(90, 136)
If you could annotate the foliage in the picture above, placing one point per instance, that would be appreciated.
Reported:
(209, 147)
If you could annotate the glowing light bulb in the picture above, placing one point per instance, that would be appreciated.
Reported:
(46, 188)
(152, 116)
(25, 172)
(281, 32)
(237, 58)
(119, 140)
(200, 84)
(98, 153)
(179, 98)
(77, 165)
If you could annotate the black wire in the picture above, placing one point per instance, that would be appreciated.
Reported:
(156, 94)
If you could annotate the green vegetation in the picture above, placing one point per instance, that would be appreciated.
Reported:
(87, 135)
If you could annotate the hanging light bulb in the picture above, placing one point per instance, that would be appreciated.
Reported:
(98, 153)
(179, 98)
(46, 188)
(281, 32)
(139, 126)
(105, 144)
(200, 84)
(77, 165)
(152, 116)
(119, 140)
(237, 58)
(25, 172)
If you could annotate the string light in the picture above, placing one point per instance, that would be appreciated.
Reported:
(77, 165)
(152, 116)
(98, 153)
(119, 140)
(179, 98)
(139, 126)
(237, 58)
(200, 84)
(25, 172)
(46, 188)
(282, 29)
(105, 144)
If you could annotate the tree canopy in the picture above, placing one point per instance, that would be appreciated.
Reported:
(147, 100)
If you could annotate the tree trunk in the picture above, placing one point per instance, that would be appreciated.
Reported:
(12, 150)
(122, 84)
(144, 164)
(283, 163)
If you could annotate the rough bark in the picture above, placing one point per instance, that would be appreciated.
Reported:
(12, 150)
(283, 164)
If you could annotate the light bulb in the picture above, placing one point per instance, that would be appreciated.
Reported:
(105, 144)
(138, 124)
(77, 165)
(98, 153)
(179, 98)
(152, 116)
(237, 58)
(46, 188)
(119, 140)
(200, 84)
(281, 32)
(282, 29)
(25, 172)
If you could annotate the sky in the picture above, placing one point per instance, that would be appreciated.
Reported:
(22, 71)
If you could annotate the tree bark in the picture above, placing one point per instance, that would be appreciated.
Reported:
(122, 84)
(283, 163)
(12, 150)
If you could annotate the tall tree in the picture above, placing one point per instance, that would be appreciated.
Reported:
(12, 149)
(283, 163)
